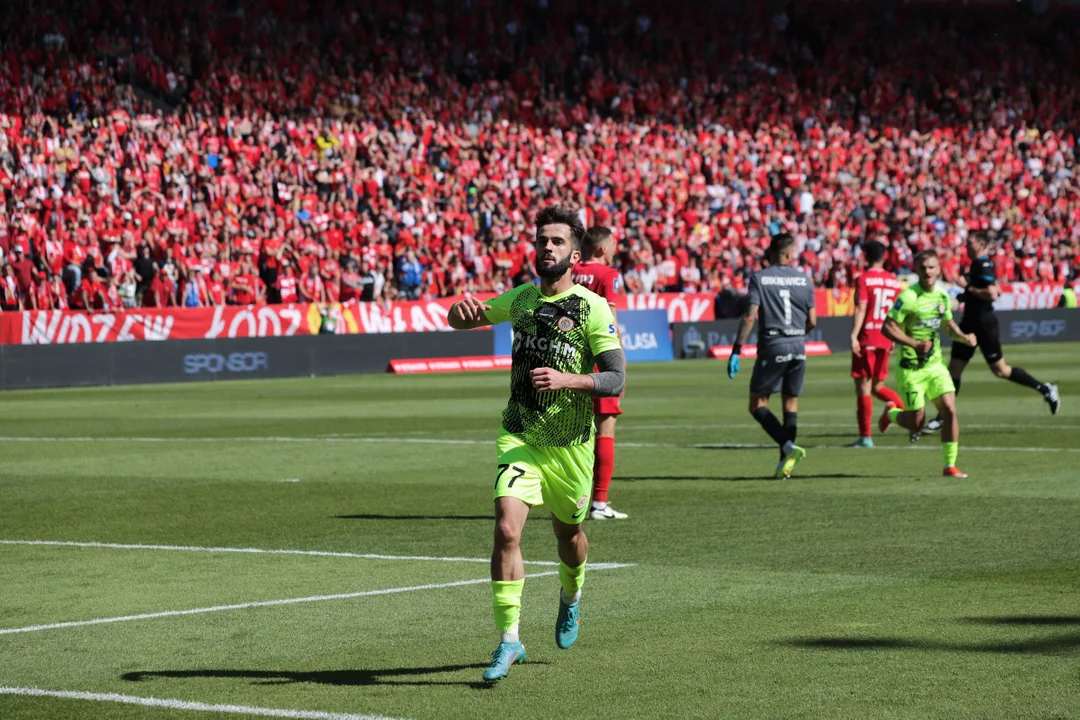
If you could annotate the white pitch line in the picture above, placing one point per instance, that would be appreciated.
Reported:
(440, 441)
(421, 440)
(279, 439)
(187, 704)
(286, 601)
(736, 426)
(259, 438)
(258, 551)
(936, 448)
(723, 426)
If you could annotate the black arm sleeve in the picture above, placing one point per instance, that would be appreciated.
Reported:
(611, 379)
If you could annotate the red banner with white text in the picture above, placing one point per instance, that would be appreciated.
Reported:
(430, 315)
(1029, 296)
(69, 326)
(55, 327)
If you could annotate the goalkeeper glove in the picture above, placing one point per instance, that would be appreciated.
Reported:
(733, 361)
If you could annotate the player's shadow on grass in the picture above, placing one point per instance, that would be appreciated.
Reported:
(1061, 645)
(847, 435)
(412, 517)
(369, 516)
(349, 678)
(1024, 620)
(741, 478)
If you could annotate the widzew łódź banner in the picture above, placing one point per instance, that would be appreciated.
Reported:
(71, 326)
(233, 321)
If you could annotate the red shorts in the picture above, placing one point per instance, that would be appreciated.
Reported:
(873, 363)
(607, 406)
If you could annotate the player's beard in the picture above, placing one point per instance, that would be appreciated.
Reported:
(553, 272)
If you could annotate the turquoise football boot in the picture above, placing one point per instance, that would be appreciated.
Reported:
(504, 656)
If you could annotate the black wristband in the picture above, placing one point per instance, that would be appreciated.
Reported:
(736, 349)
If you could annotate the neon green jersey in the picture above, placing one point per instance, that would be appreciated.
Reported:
(920, 313)
(564, 332)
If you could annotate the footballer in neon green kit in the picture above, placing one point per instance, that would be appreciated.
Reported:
(915, 324)
(545, 446)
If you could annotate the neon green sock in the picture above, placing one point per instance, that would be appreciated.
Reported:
(571, 578)
(951, 450)
(895, 413)
(507, 602)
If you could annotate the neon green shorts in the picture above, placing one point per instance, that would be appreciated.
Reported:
(559, 477)
(928, 383)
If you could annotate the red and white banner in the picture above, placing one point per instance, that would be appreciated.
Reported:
(681, 307)
(722, 352)
(55, 327)
(405, 316)
(430, 315)
(462, 364)
(1028, 296)
(70, 326)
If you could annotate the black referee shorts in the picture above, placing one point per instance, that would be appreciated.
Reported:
(985, 327)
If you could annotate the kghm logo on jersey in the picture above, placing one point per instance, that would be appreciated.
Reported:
(523, 342)
(565, 324)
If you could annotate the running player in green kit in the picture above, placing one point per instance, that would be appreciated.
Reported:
(915, 323)
(545, 445)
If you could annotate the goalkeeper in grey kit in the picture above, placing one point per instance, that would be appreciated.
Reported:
(782, 302)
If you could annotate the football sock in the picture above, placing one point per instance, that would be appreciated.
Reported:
(599, 505)
(791, 426)
(951, 451)
(895, 413)
(572, 579)
(507, 603)
(865, 411)
(888, 395)
(603, 467)
(771, 425)
(1020, 377)
(510, 635)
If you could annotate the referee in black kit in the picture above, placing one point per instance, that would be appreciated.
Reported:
(979, 318)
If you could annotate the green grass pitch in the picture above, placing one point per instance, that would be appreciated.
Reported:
(867, 586)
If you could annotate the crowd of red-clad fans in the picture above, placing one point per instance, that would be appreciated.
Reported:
(254, 151)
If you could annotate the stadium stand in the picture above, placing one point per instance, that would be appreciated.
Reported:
(269, 151)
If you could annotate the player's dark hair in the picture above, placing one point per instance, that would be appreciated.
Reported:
(874, 252)
(596, 236)
(981, 237)
(781, 242)
(562, 215)
(924, 256)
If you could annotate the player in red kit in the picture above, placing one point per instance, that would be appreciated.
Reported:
(875, 292)
(595, 273)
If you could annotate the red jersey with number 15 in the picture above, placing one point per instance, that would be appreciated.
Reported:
(878, 289)
(599, 278)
